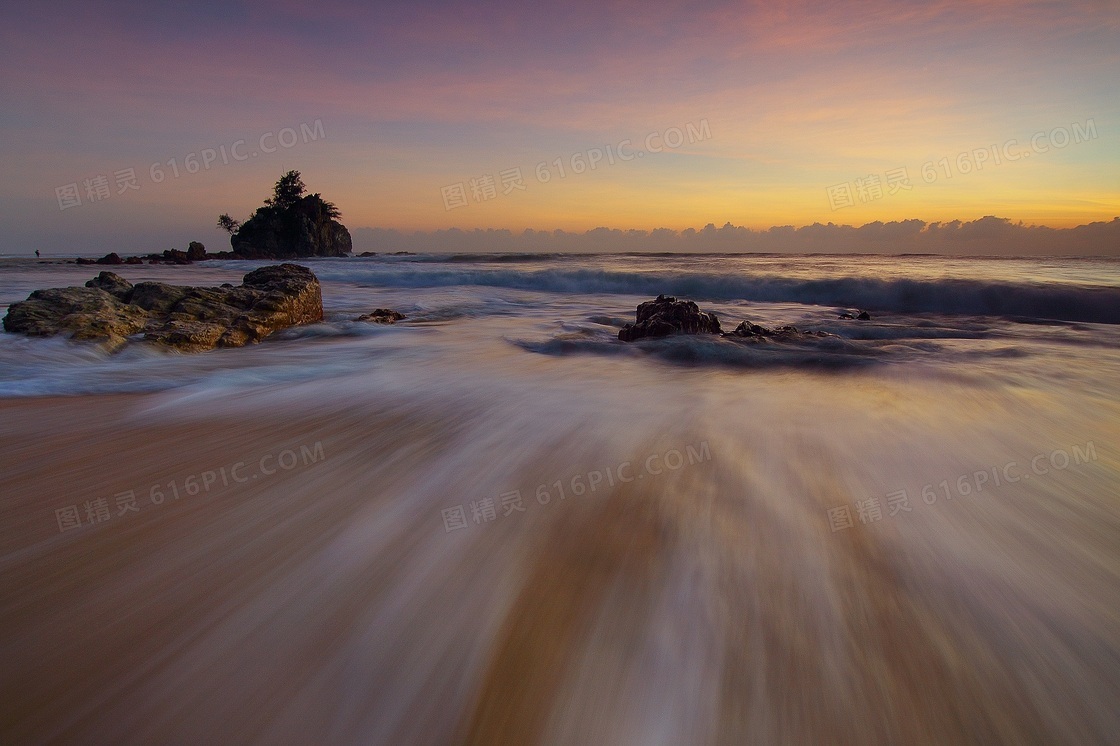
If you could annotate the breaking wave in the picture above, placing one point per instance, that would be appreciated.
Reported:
(1066, 302)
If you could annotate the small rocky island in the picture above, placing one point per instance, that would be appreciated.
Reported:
(110, 309)
(290, 224)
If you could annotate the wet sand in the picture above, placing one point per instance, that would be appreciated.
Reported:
(326, 602)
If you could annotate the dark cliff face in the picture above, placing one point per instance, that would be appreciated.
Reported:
(304, 229)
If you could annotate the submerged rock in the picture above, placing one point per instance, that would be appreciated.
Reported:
(190, 319)
(382, 316)
(859, 315)
(747, 330)
(667, 315)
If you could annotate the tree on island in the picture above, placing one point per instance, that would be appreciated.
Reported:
(228, 224)
(290, 224)
(287, 192)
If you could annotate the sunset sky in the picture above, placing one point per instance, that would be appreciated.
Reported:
(421, 116)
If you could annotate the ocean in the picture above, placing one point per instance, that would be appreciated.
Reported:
(494, 522)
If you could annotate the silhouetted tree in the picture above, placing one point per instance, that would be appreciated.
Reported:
(287, 192)
(327, 209)
(228, 224)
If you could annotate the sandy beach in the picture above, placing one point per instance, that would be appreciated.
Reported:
(311, 594)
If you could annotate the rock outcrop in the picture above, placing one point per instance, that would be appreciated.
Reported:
(195, 252)
(110, 309)
(111, 258)
(114, 285)
(667, 315)
(82, 313)
(382, 316)
(747, 330)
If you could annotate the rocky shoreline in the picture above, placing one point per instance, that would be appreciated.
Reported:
(112, 311)
(196, 252)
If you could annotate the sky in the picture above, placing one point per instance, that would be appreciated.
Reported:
(131, 126)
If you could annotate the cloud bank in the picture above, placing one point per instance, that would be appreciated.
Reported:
(988, 236)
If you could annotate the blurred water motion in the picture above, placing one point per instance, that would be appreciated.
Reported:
(431, 565)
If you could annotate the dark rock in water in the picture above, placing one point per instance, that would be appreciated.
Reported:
(113, 284)
(845, 315)
(187, 318)
(368, 253)
(171, 256)
(863, 316)
(111, 258)
(195, 252)
(667, 315)
(747, 330)
(382, 316)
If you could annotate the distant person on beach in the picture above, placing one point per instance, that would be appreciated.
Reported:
(36, 253)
